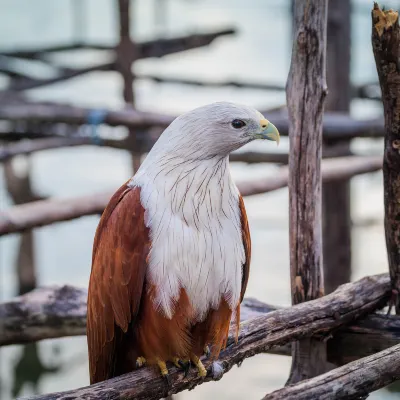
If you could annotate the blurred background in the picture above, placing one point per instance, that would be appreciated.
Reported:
(257, 53)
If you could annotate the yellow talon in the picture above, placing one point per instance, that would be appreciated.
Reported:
(176, 360)
(196, 361)
(140, 361)
(163, 367)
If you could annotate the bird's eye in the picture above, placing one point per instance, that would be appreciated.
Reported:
(238, 123)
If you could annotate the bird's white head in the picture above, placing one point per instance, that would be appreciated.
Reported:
(215, 130)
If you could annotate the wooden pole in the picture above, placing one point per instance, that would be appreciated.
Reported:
(386, 46)
(125, 58)
(336, 195)
(305, 92)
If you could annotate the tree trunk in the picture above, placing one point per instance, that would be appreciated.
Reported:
(306, 91)
(386, 46)
(336, 195)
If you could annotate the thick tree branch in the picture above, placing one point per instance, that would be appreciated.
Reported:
(386, 46)
(279, 327)
(40, 213)
(352, 381)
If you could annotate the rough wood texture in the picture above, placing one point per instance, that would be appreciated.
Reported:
(337, 126)
(25, 147)
(320, 316)
(305, 92)
(52, 312)
(45, 212)
(386, 46)
(352, 381)
(336, 224)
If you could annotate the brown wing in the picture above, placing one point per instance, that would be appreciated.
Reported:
(247, 246)
(120, 249)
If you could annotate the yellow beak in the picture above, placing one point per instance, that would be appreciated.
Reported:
(268, 131)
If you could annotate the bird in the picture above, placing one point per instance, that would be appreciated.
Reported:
(171, 253)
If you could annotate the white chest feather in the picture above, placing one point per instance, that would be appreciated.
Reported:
(192, 210)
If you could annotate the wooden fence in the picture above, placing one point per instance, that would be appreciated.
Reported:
(341, 348)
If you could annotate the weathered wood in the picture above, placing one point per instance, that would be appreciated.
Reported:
(336, 206)
(320, 316)
(337, 126)
(386, 46)
(53, 312)
(305, 93)
(352, 381)
(25, 147)
(41, 213)
(366, 336)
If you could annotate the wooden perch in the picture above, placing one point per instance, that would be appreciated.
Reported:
(352, 381)
(40, 213)
(336, 126)
(53, 312)
(276, 328)
(305, 92)
(386, 46)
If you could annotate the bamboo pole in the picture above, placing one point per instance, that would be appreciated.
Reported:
(306, 91)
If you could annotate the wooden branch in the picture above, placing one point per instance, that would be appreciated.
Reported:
(68, 73)
(337, 126)
(44, 311)
(336, 204)
(39, 52)
(257, 335)
(26, 147)
(45, 212)
(352, 381)
(305, 92)
(386, 46)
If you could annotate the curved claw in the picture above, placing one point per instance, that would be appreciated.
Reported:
(183, 365)
(140, 362)
(207, 351)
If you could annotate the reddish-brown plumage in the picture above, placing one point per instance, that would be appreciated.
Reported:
(122, 322)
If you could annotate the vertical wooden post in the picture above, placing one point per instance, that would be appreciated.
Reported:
(386, 46)
(336, 204)
(305, 92)
(125, 58)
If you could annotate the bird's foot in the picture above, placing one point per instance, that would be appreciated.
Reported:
(164, 371)
(183, 365)
(217, 370)
(207, 351)
(200, 367)
(140, 361)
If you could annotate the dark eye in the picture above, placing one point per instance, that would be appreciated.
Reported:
(238, 123)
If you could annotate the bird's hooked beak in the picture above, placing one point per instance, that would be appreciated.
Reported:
(268, 131)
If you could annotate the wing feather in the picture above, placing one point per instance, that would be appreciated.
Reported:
(120, 249)
(247, 246)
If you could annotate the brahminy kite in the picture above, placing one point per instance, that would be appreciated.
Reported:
(171, 253)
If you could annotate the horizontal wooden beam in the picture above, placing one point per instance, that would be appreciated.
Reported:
(336, 126)
(45, 212)
(314, 318)
(352, 381)
(26, 147)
